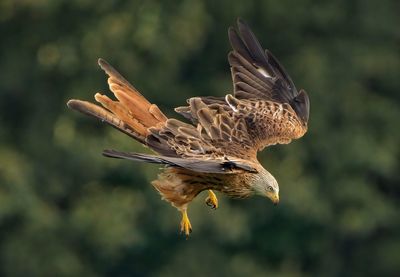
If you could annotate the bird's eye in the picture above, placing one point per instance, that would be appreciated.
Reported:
(270, 188)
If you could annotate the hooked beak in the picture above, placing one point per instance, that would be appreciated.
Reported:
(273, 196)
(275, 199)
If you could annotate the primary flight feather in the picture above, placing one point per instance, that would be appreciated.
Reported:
(218, 149)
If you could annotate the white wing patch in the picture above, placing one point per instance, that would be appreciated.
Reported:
(263, 72)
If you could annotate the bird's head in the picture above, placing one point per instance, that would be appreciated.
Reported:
(266, 185)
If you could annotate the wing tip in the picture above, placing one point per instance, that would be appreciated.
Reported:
(74, 104)
(110, 153)
(231, 32)
(71, 103)
(243, 26)
(102, 63)
(240, 21)
(107, 68)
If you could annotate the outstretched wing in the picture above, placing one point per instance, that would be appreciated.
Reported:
(179, 144)
(216, 135)
(257, 74)
(266, 107)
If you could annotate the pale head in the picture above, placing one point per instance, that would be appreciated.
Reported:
(265, 184)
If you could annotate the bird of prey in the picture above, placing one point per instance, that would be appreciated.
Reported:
(216, 148)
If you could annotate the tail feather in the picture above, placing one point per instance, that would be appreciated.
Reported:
(131, 113)
(141, 109)
(105, 116)
(122, 112)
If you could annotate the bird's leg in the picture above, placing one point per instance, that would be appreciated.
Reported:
(186, 227)
(212, 200)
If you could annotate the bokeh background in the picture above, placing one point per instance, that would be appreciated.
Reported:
(67, 211)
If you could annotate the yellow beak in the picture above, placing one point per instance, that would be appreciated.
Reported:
(273, 196)
(275, 199)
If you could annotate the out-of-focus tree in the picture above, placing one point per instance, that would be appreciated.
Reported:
(67, 211)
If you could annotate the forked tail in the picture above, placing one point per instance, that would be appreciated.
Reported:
(131, 113)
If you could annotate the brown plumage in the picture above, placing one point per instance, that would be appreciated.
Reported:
(218, 149)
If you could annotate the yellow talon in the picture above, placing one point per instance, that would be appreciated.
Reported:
(186, 227)
(212, 200)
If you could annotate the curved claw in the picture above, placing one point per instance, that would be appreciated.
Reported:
(212, 200)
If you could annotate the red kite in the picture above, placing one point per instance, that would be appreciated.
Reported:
(218, 149)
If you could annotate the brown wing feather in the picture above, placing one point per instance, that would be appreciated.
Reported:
(218, 133)
(258, 74)
(235, 128)
(268, 122)
(198, 165)
(266, 109)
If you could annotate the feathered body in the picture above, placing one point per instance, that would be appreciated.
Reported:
(180, 186)
(217, 149)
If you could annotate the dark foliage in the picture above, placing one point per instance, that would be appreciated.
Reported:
(65, 210)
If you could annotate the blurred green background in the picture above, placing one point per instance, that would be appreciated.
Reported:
(67, 211)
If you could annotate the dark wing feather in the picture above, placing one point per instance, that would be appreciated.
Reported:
(227, 132)
(217, 133)
(204, 166)
(266, 107)
(265, 77)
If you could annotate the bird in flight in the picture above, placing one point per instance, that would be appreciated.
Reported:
(216, 148)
